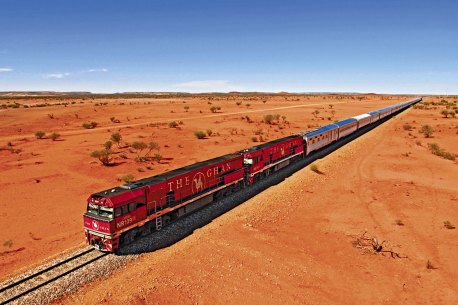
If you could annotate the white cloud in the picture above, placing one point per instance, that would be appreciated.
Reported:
(205, 85)
(97, 70)
(5, 70)
(57, 75)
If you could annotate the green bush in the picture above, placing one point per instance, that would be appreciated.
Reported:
(199, 134)
(108, 144)
(139, 146)
(104, 156)
(173, 124)
(268, 119)
(116, 138)
(436, 150)
(127, 178)
(54, 136)
(407, 127)
(90, 125)
(427, 131)
(40, 134)
(314, 168)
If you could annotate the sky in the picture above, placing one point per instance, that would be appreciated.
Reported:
(109, 46)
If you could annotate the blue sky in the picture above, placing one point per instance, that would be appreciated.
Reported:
(200, 46)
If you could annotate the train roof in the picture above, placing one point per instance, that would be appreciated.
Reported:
(361, 116)
(314, 132)
(345, 122)
(267, 144)
(164, 176)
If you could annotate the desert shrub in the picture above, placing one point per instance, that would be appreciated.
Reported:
(264, 101)
(315, 168)
(418, 142)
(238, 103)
(445, 113)
(429, 265)
(399, 222)
(151, 146)
(173, 124)
(438, 151)
(115, 120)
(116, 138)
(258, 132)
(40, 134)
(157, 157)
(407, 127)
(427, 131)
(139, 146)
(215, 109)
(108, 144)
(268, 119)
(104, 156)
(316, 113)
(141, 159)
(186, 108)
(199, 134)
(248, 105)
(90, 125)
(51, 115)
(127, 178)
(54, 136)
(254, 139)
(209, 132)
(449, 225)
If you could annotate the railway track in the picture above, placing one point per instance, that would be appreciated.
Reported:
(10, 292)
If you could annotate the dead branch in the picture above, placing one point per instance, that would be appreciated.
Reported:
(371, 244)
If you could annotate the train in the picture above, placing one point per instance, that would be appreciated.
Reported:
(117, 216)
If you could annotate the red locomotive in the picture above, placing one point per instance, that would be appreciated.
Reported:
(115, 217)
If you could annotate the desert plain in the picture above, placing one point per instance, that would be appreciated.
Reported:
(295, 243)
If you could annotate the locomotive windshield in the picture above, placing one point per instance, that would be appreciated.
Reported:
(101, 211)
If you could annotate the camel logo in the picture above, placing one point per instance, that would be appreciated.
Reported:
(95, 225)
(198, 183)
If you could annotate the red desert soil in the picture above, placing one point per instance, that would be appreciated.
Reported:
(292, 244)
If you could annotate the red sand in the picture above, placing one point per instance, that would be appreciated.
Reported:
(269, 249)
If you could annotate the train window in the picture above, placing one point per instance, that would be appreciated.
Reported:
(125, 209)
(118, 212)
(92, 208)
(247, 161)
(132, 206)
(106, 212)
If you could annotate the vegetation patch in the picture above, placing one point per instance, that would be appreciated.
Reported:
(449, 225)
(90, 125)
(40, 134)
(199, 134)
(427, 131)
(438, 151)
